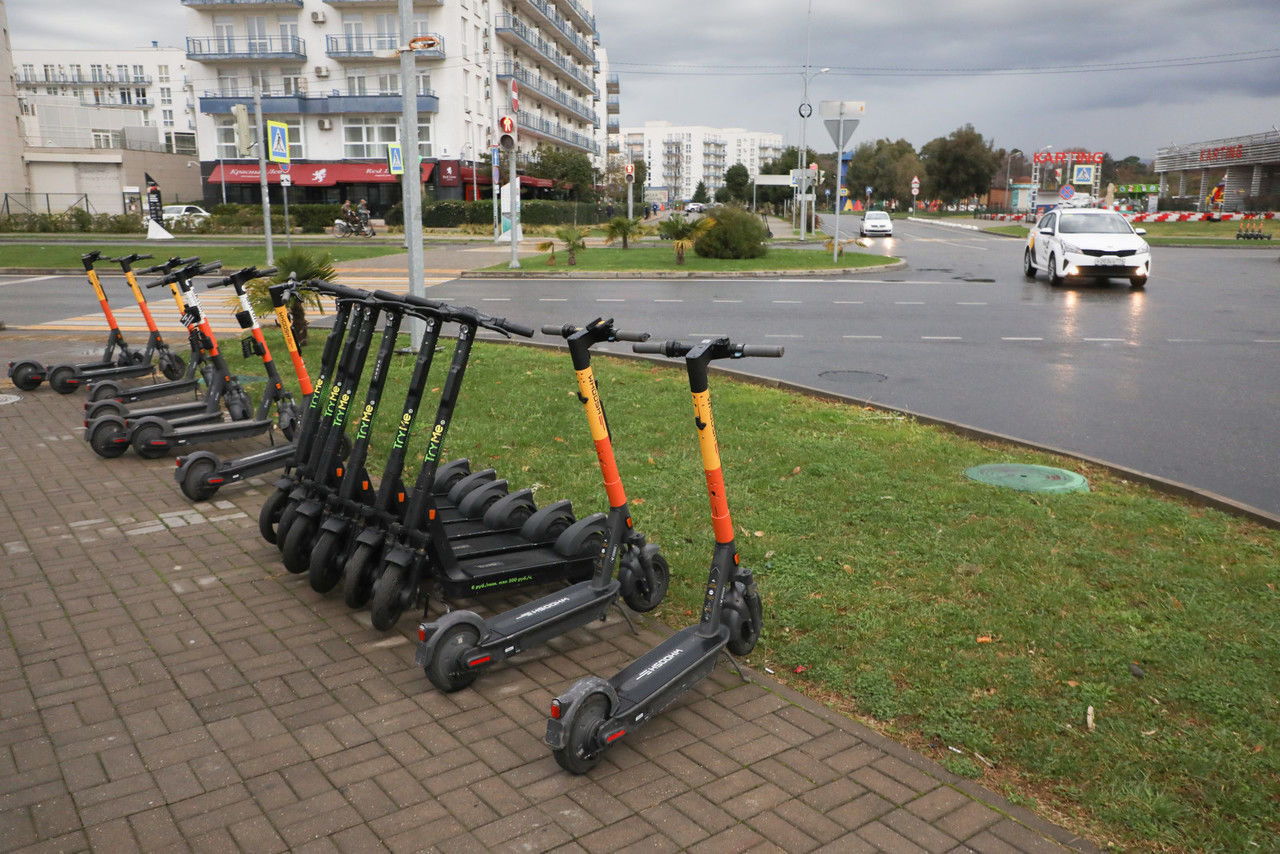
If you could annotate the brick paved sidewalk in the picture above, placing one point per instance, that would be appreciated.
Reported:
(166, 685)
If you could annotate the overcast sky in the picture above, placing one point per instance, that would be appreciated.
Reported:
(1152, 72)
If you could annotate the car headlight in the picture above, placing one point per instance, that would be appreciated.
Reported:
(1070, 247)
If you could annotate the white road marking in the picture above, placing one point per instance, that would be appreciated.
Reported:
(553, 299)
(847, 302)
(668, 300)
(788, 302)
(1184, 340)
(1266, 341)
(867, 337)
(28, 280)
(941, 338)
(1104, 339)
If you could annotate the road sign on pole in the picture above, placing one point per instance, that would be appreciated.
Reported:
(395, 158)
(278, 139)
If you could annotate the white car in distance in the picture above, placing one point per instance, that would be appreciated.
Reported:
(876, 224)
(1079, 243)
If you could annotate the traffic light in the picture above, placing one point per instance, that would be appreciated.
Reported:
(507, 127)
(244, 136)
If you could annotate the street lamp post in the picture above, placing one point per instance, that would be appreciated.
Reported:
(1008, 192)
(806, 109)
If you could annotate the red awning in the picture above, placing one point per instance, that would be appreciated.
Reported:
(313, 174)
(530, 181)
(482, 176)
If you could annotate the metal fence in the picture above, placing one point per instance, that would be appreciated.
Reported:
(44, 203)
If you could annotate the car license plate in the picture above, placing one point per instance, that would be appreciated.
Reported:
(1109, 261)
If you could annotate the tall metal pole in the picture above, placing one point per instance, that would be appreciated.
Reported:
(835, 240)
(514, 180)
(804, 121)
(493, 125)
(262, 170)
(411, 181)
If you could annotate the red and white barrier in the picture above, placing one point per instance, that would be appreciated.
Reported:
(1192, 216)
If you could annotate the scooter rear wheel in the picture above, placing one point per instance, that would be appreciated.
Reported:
(445, 669)
(62, 379)
(26, 376)
(102, 438)
(103, 389)
(172, 365)
(391, 595)
(269, 515)
(148, 441)
(583, 750)
(195, 483)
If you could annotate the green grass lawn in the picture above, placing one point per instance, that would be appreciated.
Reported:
(974, 623)
(60, 255)
(647, 257)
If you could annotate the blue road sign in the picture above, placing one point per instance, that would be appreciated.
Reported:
(278, 142)
(395, 158)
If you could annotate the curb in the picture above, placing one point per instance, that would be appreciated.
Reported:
(944, 223)
(669, 274)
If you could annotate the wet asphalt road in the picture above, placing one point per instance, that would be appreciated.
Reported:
(1181, 380)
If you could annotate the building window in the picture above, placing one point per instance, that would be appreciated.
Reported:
(167, 118)
(424, 82)
(367, 138)
(225, 136)
(388, 83)
(122, 73)
(293, 81)
(97, 74)
(166, 96)
(162, 73)
(106, 138)
(295, 138)
(228, 85)
(140, 95)
(288, 28)
(356, 84)
(424, 139)
(139, 75)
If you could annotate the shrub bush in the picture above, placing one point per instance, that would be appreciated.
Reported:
(394, 214)
(737, 233)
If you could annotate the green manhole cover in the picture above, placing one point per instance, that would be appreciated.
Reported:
(1028, 478)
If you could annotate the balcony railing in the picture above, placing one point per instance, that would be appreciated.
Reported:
(358, 4)
(546, 90)
(576, 10)
(244, 48)
(513, 27)
(612, 84)
(543, 127)
(241, 4)
(381, 46)
(563, 30)
(335, 101)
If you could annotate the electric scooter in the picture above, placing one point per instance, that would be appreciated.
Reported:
(455, 649)
(112, 395)
(154, 437)
(27, 374)
(327, 387)
(200, 474)
(595, 713)
(420, 548)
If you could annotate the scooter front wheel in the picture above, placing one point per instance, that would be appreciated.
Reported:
(62, 379)
(357, 576)
(269, 515)
(392, 593)
(745, 625)
(325, 570)
(195, 480)
(583, 750)
(27, 376)
(645, 588)
(296, 551)
(104, 438)
(445, 670)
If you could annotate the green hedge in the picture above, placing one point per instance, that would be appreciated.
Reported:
(75, 220)
(310, 219)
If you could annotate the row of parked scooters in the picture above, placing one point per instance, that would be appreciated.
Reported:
(453, 533)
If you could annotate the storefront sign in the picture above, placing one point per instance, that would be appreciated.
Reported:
(1065, 156)
(1224, 152)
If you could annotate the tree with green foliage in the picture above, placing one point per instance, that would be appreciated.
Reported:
(886, 166)
(959, 166)
(700, 193)
(574, 237)
(735, 232)
(737, 181)
(642, 175)
(622, 228)
(571, 171)
(683, 232)
(305, 265)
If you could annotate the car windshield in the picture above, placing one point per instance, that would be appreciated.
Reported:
(173, 209)
(877, 215)
(1093, 224)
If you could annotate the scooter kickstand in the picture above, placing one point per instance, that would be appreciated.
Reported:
(626, 617)
(744, 677)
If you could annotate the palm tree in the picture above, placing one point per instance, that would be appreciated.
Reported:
(573, 237)
(622, 227)
(682, 232)
(306, 265)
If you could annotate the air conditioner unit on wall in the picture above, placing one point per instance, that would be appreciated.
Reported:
(326, 124)
(317, 17)
(322, 71)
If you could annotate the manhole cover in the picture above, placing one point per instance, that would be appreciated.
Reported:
(6, 399)
(1028, 478)
(853, 376)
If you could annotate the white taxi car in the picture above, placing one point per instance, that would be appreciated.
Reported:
(876, 224)
(1087, 243)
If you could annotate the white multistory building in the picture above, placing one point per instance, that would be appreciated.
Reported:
(146, 87)
(678, 157)
(329, 70)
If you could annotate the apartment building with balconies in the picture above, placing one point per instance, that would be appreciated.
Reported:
(678, 158)
(330, 70)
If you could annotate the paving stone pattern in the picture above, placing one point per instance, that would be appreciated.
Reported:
(166, 685)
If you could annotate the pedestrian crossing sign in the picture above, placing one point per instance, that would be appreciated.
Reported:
(1082, 174)
(395, 158)
(278, 139)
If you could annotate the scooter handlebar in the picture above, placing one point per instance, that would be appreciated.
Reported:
(623, 335)
(501, 324)
(191, 271)
(333, 289)
(616, 335)
(731, 351)
(561, 331)
(129, 259)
